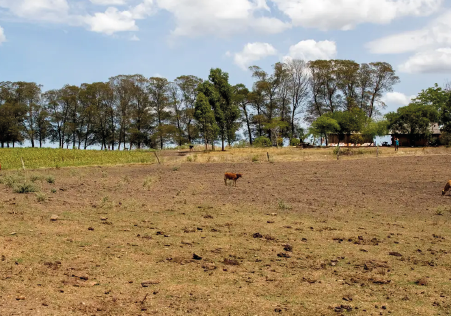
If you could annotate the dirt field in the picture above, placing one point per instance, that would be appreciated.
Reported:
(348, 237)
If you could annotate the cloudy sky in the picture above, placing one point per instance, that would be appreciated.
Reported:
(57, 42)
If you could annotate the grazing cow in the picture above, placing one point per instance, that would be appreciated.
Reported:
(447, 186)
(232, 176)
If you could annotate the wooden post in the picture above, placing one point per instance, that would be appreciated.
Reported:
(267, 154)
(23, 165)
(338, 151)
(377, 151)
(157, 157)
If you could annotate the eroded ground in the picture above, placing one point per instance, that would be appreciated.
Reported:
(352, 237)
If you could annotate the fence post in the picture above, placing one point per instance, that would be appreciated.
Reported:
(377, 151)
(338, 151)
(267, 154)
(157, 157)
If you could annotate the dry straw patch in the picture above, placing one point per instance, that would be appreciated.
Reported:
(311, 238)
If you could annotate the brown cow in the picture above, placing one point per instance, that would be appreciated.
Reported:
(447, 186)
(232, 176)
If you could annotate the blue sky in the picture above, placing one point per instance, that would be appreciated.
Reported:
(57, 42)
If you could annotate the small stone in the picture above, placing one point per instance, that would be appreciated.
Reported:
(54, 218)
(20, 298)
(90, 228)
(196, 257)
(422, 281)
(103, 218)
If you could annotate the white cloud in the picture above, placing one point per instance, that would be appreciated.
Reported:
(111, 21)
(134, 38)
(109, 2)
(219, 17)
(38, 10)
(430, 61)
(435, 35)
(253, 52)
(2, 35)
(312, 50)
(431, 45)
(346, 14)
(397, 98)
(59, 11)
(114, 20)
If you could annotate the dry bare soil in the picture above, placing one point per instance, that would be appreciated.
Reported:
(348, 237)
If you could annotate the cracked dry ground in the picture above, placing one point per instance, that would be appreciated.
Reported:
(348, 237)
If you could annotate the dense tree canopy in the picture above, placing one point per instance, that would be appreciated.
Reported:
(134, 111)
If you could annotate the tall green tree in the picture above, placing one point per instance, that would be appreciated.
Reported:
(241, 96)
(323, 126)
(188, 86)
(226, 111)
(159, 102)
(206, 119)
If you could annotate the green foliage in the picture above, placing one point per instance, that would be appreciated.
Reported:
(357, 139)
(25, 188)
(241, 144)
(280, 142)
(262, 141)
(324, 125)
(375, 128)
(51, 179)
(414, 120)
(11, 180)
(205, 115)
(53, 190)
(445, 139)
(351, 121)
(439, 99)
(255, 158)
(35, 178)
(294, 142)
(41, 197)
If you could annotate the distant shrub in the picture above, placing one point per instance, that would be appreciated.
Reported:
(25, 188)
(280, 142)
(10, 180)
(35, 178)
(445, 139)
(283, 206)
(295, 142)
(262, 141)
(50, 179)
(357, 139)
(255, 158)
(41, 197)
(241, 144)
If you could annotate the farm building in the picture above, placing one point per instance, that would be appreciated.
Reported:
(333, 139)
(422, 140)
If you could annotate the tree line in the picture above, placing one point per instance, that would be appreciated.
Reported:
(132, 111)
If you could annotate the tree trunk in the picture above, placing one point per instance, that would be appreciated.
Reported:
(222, 139)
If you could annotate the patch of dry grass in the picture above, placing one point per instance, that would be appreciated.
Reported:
(187, 244)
